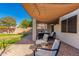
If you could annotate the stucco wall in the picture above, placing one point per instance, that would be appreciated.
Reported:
(69, 38)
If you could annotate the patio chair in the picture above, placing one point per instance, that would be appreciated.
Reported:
(49, 52)
(43, 40)
(40, 35)
(52, 36)
(52, 33)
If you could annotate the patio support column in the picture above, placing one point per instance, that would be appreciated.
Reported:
(34, 30)
(49, 28)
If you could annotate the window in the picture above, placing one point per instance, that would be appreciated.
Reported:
(63, 25)
(72, 24)
(69, 25)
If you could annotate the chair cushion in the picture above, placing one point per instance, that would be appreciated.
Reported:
(52, 34)
(40, 41)
(41, 52)
(45, 37)
(56, 44)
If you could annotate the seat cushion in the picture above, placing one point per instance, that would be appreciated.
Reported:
(52, 34)
(41, 52)
(56, 44)
(40, 41)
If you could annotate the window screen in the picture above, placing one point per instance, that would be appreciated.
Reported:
(63, 25)
(69, 25)
(72, 24)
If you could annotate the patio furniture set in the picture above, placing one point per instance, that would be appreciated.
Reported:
(40, 47)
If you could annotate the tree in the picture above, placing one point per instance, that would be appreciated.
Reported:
(24, 24)
(9, 21)
(30, 23)
(1, 22)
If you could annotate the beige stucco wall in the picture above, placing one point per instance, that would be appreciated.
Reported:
(69, 38)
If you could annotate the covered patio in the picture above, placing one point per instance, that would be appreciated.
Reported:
(50, 16)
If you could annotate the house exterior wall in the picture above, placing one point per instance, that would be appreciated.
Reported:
(41, 26)
(69, 38)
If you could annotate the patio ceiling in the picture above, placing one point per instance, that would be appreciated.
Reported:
(49, 13)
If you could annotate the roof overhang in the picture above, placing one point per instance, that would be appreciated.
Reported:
(49, 13)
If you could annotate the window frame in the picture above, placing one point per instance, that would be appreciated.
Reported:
(68, 25)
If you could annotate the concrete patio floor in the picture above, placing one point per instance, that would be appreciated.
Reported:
(18, 50)
(67, 50)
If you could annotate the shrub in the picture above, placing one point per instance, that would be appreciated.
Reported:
(7, 39)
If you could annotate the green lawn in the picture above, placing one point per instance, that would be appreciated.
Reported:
(8, 34)
(7, 39)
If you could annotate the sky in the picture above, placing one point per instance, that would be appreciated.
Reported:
(14, 10)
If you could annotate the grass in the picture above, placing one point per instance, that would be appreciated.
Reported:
(7, 39)
(9, 34)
